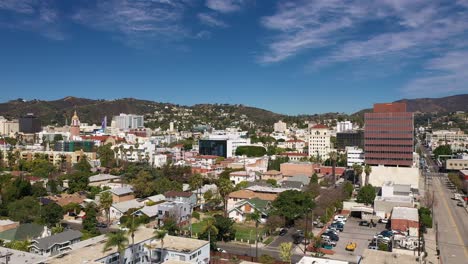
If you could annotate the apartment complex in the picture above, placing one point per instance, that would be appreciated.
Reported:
(389, 135)
(124, 121)
(319, 141)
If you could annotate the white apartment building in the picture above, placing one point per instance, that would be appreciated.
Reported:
(354, 155)
(124, 121)
(237, 177)
(319, 141)
(280, 126)
(457, 139)
(146, 250)
(8, 127)
(344, 126)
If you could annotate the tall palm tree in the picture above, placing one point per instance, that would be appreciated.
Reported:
(256, 216)
(132, 226)
(367, 171)
(333, 155)
(116, 152)
(225, 187)
(117, 239)
(210, 228)
(160, 235)
(357, 172)
(106, 203)
(131, 151)
(196, 182)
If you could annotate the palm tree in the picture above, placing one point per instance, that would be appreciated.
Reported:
(106, 203)
(131, 151)
(117, 239)
(333, 156)
(116, 152)
(195, 183)
(256, 216)
(367, 171)
(132, 227)
(160, 235)
(357, 172)
(225, 187)
(210, 228)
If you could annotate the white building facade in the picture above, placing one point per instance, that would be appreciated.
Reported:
(124, 121)
(319, 141)
(354, 155)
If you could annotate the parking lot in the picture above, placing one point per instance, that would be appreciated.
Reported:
(361, 235)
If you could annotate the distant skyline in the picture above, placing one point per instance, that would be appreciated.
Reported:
(291, 57)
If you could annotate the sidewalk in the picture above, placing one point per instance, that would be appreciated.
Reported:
(431, 246)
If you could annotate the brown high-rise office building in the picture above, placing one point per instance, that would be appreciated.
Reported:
(389, 135)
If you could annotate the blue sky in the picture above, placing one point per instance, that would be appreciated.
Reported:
(291, 57)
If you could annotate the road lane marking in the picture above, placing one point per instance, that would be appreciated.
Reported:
(452, 219)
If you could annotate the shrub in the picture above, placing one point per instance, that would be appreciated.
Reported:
(196, 215)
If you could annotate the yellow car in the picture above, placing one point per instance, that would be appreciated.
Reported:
(351, 246)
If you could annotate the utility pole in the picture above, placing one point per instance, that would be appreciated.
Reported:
(6, 256)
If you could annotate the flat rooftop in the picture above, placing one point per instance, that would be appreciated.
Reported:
(20, 257)
(88, 251)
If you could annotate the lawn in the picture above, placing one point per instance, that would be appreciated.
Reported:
(243, 231)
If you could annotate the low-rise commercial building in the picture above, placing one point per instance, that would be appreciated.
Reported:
(405, 219)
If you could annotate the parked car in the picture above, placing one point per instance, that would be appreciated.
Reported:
(332, 236)
(332, 230)
(318, 224)
(364, 223)
(340, 217)
(351, 246)
(338, 226)
(385, 233)
(283, 232)
(461, 204)
(372, 246)
(383, 221)
(327, 241)
(221, 250)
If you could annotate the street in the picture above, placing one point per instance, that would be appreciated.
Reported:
(452, 224)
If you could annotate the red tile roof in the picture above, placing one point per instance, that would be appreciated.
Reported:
(320, 126)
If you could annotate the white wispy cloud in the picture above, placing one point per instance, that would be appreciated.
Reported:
(135, 19)
(33, 15)
(225, 6)
(444, 75)
(211, 20)
(342, 27)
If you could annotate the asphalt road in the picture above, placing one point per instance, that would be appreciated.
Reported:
(452, 224)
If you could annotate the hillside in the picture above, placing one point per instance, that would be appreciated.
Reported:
(216, 115)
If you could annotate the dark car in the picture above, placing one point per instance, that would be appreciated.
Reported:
(283, 232)
(364, 223)
(297, 238)
(332, 236)
(338, 226)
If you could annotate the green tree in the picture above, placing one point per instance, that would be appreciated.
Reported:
(348, 189)
(78, 181)
(195, 183)
(132, 227)
(367, 171)
(267, 259)
(357, 172)
(285, 252)
(251, 151)
(276, 163)
(51, 214)
(225, 227)
(106, 203)
(242, 185)
(442, 150)
(314, 178)
(26, 210)
(209, 232)
(255, 217)
(19, 245)
(170, 225)
(106, 155)
(160, 235)
(366, 195)
(90, 220)
(272, 182)
(53, 186)
(38, 190)
(119, 240)
(72, 207)
(83, 165)
(225, 187)
(292, 204)
(58, 228)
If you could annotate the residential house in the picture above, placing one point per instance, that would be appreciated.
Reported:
(55, 244)
(181, 212)
(241, 195)
(237, 177)
(185, 197)
(24, 232)
(272, 174)
(295, 144)
(7, 225)
(103, 179)
(122, 194)
(64, 199)
(21, 257)
(242, 209)
(117, 210)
